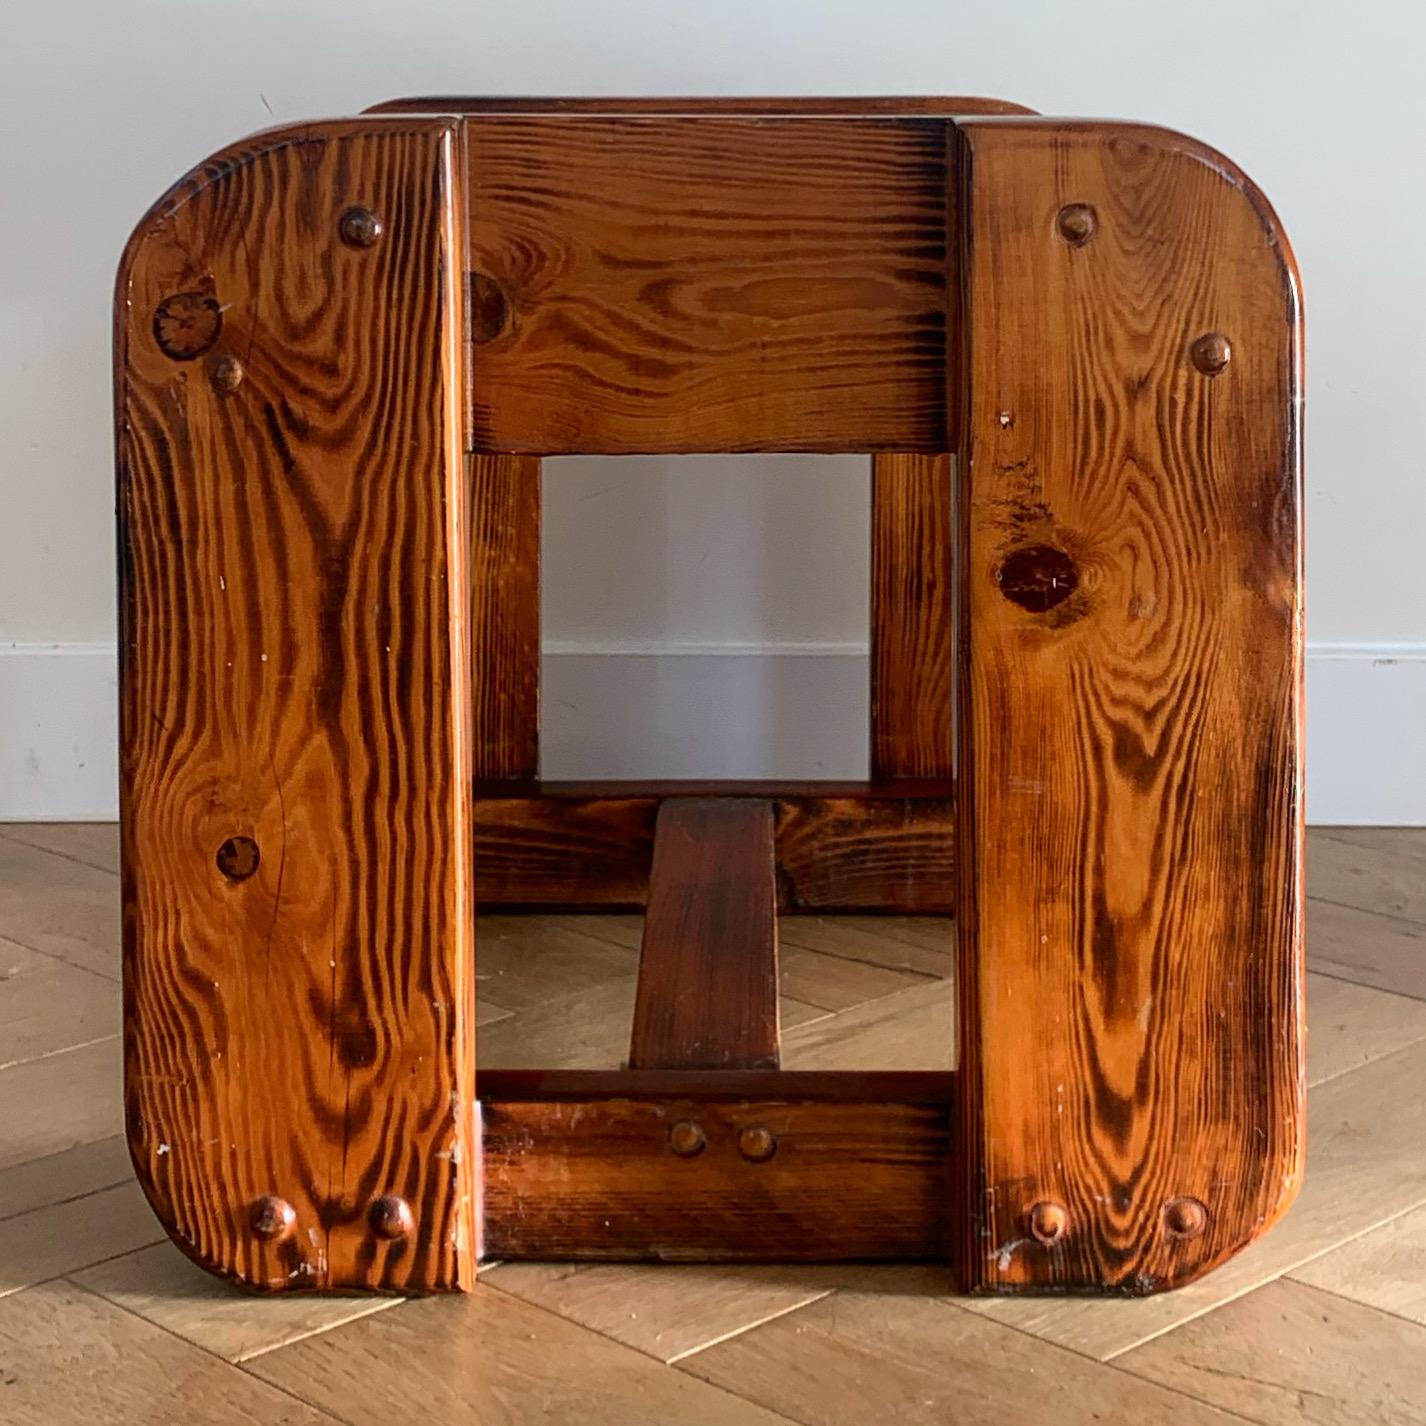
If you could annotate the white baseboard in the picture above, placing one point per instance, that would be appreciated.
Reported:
(716, 710)
(59, 717)
(1366, 735)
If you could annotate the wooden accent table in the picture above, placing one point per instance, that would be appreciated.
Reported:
(1072, 350)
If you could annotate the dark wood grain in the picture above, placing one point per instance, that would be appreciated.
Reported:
(549, 853)
(588, 1171)
(933, 1087)
(911, 620)
(505, 627)
(866, 854)
(709, 284)
(1130, 711)
(1100, 320)
(708, 988)
(885, 846)
(293, 672)
(916, 789)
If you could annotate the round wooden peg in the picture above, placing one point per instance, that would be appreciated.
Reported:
(391, 1217)
(360, 228)
(686, 1139)
(1185, 1217)
(1077, 222)
(1211, 353)
(1048, 1222)
(757, 1143)
(271, 1218)
(226, 373)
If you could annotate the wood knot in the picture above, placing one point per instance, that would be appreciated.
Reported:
(238, 858)
(1077, 222)
(187, 324)
(1037, 577)
(489, 308)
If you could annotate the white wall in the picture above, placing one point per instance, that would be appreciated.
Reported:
(103, 103)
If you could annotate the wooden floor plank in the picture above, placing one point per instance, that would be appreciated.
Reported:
(669, 1312)
(68, 1358)
(96, 844)
(491, 1358)
(1388, 877)
(911, 1029)
(708, 982)
(1351, 1025)
(487, 1012)
(522, 962)
(622, 928)
(160, 1285)
(586, 1029)
(1290, 1355)
(48, 1005)
(49, 1105)
(1394, 841)
(61, 907)
(829, 981)
(838, 982)
(925, 945)
(1368, 1128)
(1385, 1268)
(65, 1237)
(855, 1357)
(60, 1177)
(1367, 947)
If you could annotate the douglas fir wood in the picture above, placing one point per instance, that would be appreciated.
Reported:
(758, 1167)
(505, 628)
(911, 618)
(708, 284)
(707, 997)
(884, 846)
(1130, 797)
(1072, 350)
(298, 954)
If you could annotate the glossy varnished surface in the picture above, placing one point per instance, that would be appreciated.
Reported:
(708, 964)
(912, 649)
(630, 1167)
(295, 772)
(708, 284)
(884, 846)
(1129, 777)
(505, 625)
(1100, 320)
